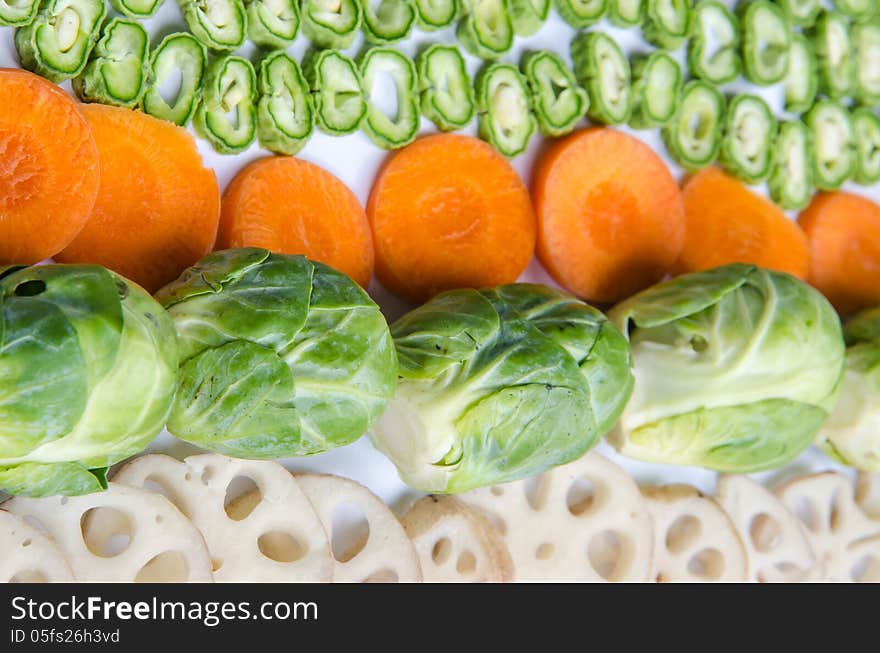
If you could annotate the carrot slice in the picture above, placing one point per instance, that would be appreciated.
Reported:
(449, 212)
(843, 231)
(48, 168)
(292, 206)
(158, 206)
(610, 214)
(728, 223)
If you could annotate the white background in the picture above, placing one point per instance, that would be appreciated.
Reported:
(355, 160)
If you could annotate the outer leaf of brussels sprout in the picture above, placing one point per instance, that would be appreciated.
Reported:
(49, 479)
(863, 327)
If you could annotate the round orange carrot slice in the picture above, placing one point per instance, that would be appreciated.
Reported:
(292, 206)
(158, 206)
(610, 214)
(843, 230)
(449, 212)
(48, 168)
(728, 223)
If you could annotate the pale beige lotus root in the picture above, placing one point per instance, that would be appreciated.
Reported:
(776, 543)
(369, 544)
(584, 521)
(275, 536)
(455, 543)
(123, 534)
(845, 540)
(868, 494)
(694, 539)
(29, 556)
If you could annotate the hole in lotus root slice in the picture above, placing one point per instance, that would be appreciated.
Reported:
(385, 547)
(350, 531)
(106, 531)
(610, 554)
(868, 494)
(456, 543)
(136, 507)
(165, 567)
(29, 556)
(717, 554)
(774, 536)
(843, 538)
(207, 489)
(569, 520)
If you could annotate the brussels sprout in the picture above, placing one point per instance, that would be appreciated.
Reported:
(852, 432)
(500, 384)
(736, 368)
(280, 356)
(88, 365)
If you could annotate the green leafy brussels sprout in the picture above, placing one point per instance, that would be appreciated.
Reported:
(88, 369)
(736, 368)
(500, 384)
(279, 355)
(852, 432)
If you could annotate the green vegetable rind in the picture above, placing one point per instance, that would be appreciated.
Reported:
(122, 51)
(325, 71)
(285, 111)
(557, 99)
(528, 16)
(858, 10)
(866, 129)
(766, 39)
(391, 21)
(656, 90)
(667, 23)
(230, 85)
(834, 147)
(451, 104)
(709, 58)
(690, 149)
(801, 82)
(834, 50)
(748, 119)
(432, 15)
(486, 31)
(866, 82)
(176, 52)
(626, 13)
(38, 42)
(18, 14)
(589, 52)
(391, 132)
(221, 24)
(581, 13)
(137, 9)
(501, 89)
(270, 30)
(791, 177)
(337, 32)
(801, 12)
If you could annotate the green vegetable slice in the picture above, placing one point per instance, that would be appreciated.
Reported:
(866, 40)
(856, 9)
(18, 13)
(602, 68)
(57, 44)
(626, 13)
(581, 13)
(528, 15)
(285, 113)
(766, 39)
(272, 23)
(177, 55)
(397, 127)
(667, 22)
(504, 108)
(657, 82)
(389, 21)
(436, 14)
(487, 30)
(226, 116)
(746, 145)
(219, 24)
(447, 95)
(136, 8)
(834, 54)
(338, 92)
(693, 138)
(801, 82)
(331, 23)
(117, 69)
(801, 12)
(834, 156)
(713, 51)
(558, 101)
(791, 176)
(866, 126)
